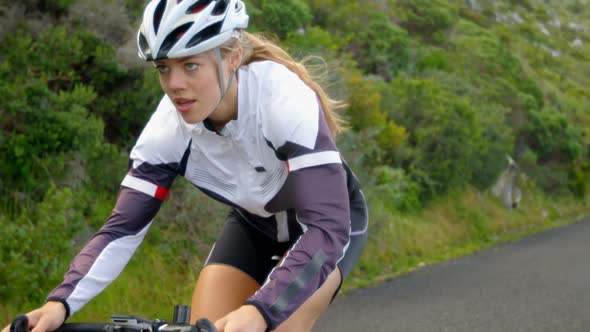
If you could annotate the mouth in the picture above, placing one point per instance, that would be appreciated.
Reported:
(183, 104)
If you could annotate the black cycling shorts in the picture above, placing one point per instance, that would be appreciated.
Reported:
(246, 248)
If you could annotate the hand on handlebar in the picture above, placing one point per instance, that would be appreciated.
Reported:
(51, 317)
(47, 318)
(245, 318)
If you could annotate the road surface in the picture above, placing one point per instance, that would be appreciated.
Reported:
(540, 283)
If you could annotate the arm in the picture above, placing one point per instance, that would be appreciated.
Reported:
(295, 127)
(320, 200)
(155, 161)
(106, 254)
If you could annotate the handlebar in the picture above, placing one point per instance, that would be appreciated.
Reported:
(90, 327)
(126, 323)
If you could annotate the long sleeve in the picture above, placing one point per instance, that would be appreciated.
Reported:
(155, 161)
(315, 188)
(320, 200)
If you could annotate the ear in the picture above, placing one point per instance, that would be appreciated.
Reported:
(235, 58)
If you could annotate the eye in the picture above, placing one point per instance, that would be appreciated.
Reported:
(162, 68)
(190, 66)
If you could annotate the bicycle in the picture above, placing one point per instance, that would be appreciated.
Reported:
(129, 323)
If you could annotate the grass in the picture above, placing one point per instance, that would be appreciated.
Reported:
(456, 225)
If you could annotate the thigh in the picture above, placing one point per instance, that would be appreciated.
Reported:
(244, 247)
(238, 264)
(220, 290)
(304, 318)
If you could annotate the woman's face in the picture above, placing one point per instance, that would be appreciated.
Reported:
(192, 85)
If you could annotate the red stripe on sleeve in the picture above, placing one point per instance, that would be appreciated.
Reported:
(161, 193)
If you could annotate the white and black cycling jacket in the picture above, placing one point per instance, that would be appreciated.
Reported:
(276, 161)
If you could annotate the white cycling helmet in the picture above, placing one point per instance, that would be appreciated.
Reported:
(179, 28)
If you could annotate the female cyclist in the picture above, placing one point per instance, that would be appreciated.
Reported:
(247, 125)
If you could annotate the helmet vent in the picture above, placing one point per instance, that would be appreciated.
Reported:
(208, 32)
(171, 39)
(198, 6)
(220, 7)
(144, 47)
(158, 14)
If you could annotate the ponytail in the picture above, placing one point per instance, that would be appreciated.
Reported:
(258, 48)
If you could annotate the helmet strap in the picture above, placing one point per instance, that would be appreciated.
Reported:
(222, 87)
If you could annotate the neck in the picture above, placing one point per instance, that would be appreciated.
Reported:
(227, 109)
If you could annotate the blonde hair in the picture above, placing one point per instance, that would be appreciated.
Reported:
(259, 48)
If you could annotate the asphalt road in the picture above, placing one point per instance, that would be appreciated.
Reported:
(540, 283)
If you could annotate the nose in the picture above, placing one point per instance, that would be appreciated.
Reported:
(175, 80)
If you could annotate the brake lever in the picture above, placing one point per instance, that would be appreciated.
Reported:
(205, 325)
(20, 324)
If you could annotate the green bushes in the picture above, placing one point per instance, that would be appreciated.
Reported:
(45, 112)
(383, 48)
(374, 41)
(560, 151)
(552, 137)
(56, 7)
(280, 17)
(427, 18)
(59, 89)
(449, 141)
(34, 246)
(396, 189)
(431, 59)
(58, 176)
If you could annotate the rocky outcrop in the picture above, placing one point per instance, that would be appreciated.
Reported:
(506, 187)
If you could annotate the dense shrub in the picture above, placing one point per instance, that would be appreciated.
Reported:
(449, 139)
(59, 89)
(366, 114)
(378, 45)
(427, 18)
(382, 48)
(313, 41)
(44, 113)
(396, 190)
(280, 17)
(428, 59)
(552, 137)
(478, 50)
(34, 246)
(579, 179)
(53, 7)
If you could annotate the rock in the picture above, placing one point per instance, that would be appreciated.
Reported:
(474, 6)
(543, 29)
(556, 23)
(517, 18)
(506, 187)
(575, 27)
(577, 43)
